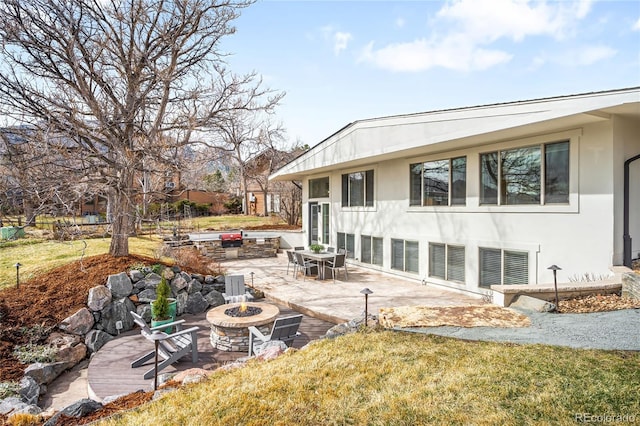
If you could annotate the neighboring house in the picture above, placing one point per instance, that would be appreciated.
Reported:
(473, 197)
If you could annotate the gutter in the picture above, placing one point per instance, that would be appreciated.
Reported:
(626, 238)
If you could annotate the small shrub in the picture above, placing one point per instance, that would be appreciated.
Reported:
(35, 333)
(8, 389)
(32, 353)
(160, 306)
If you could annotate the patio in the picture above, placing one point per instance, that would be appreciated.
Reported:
(323, 303)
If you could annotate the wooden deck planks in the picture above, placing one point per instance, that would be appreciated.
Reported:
(110, 371)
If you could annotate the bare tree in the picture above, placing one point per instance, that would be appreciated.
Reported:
(127, 83)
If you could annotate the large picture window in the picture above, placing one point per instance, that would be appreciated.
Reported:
(438, 183)
(446, 262)
(357, 189)
(371, 250)
(503, 267)
(319, 188)
(405, 255)
(517, 176)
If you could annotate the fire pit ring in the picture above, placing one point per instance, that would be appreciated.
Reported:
(231, 334)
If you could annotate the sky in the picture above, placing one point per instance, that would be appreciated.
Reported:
(341, 61)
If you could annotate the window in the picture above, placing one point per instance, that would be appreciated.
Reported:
(503, 267)
(405, 255)
(516, 176)
(346, 242)
(371, 250)
(357, 189)
(319, 188)
(325, 222)
(438, 183)
(446, 262)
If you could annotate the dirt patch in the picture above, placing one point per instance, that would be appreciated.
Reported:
(457, 316)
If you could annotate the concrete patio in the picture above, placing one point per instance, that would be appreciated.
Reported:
(323, 302)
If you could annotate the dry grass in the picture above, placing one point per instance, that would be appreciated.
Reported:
(392, 378)
(37, 256)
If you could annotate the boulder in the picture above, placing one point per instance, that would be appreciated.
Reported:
(206, 288)
(209, 279)
(196, 303)
(78, 409)
(144, 311)
(120, 285)
(198, 277)
(99, 297)
(531, 304)
(117, 310)
(79, 323)
(147, 296)
(152, 280)
(179, 283)
(181, 298)
(15, 405)
(168, 274)
(214, 298)
(96, 339)
(135, 275)
(29, 390)
(45, 373)
(269, 350)
(194, 286)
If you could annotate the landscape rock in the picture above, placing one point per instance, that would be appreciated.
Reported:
(152, 280)
(45, 373)
(196, 303)
(168, 274)
(135, 275)
(120, 285)
(214, 298)
(96, 339)
(179, 283)
(78, 409)
(79, 323)
(72, 355)
(15, 405)
(269, 350)
(192, 375)
(147, 296)
(117, 310)
(99, 297)
(209, 279)
(631, 285)
(29, 390)
(198, 277)
(181, 298)
(194, 286)
(144, 311)
(531, 304)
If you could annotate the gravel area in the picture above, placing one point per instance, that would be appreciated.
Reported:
(615, 330)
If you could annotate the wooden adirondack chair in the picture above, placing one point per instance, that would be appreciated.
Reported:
(284, 329)
(173, 347)
(234, 289)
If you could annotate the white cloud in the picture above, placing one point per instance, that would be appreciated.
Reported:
(636, 26)
(421, 55)
(400, 22)
(591, 54)
(465, 30)
(341, 40)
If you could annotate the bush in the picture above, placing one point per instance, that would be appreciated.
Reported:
(160, 306)
(190, 259)
(8, 389)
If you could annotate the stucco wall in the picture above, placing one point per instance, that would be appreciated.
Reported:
(578, 237)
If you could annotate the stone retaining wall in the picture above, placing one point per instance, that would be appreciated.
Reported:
(631, 285)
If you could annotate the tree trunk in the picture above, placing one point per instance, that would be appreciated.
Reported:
(122, 216)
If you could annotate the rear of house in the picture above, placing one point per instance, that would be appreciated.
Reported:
(481, 196)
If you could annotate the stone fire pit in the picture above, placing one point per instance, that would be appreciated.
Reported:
(231, 334)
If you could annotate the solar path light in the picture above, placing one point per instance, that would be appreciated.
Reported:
(366, 293)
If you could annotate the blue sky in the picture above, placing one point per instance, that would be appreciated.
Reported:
(340, 61)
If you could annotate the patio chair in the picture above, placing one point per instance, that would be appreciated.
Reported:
(234, 289)
(331, 249)
(173, 347)
(298, 248)
(292, 260)
(284, 329)
(307, 266)
(338, 263)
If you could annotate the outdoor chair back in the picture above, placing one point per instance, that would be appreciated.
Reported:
(284, 329)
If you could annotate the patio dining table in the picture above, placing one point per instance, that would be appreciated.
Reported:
(321, 257)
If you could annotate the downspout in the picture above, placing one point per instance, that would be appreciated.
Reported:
(626, 238)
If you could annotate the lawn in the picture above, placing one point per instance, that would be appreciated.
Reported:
(392, 378)
(37, 255)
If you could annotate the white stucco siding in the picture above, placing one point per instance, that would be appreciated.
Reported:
(577, 237)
